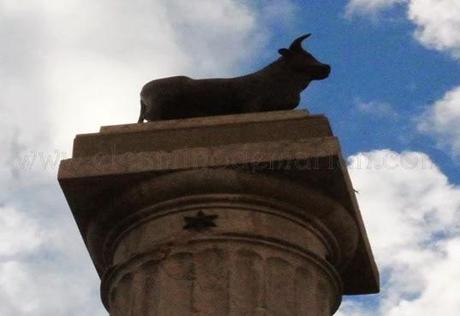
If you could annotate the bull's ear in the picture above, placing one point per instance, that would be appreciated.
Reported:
(285, 52)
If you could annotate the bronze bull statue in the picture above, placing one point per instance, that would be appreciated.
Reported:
(273, 88)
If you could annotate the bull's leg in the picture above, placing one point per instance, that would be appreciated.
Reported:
(152, 110)
(142, 113)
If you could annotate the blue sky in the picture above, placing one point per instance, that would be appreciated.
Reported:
(393, 98)
(374, 60)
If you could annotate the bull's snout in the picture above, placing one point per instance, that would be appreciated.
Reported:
(324, 71)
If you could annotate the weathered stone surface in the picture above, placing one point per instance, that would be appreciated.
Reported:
(199, 133)
(248, 214)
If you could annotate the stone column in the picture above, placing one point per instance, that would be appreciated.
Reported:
(248, 214)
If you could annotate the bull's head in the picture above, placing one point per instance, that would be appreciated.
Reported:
(300, 60)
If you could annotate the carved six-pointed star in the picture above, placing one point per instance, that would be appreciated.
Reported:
(200, 221)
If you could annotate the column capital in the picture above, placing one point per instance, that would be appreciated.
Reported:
(210, 187)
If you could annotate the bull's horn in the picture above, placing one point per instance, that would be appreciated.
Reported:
(296, 45)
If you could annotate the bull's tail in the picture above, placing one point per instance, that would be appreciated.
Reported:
(141, 115)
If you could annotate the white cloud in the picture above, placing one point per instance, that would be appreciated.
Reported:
(369, 7)
(68, 67)
(43, 266)
(440, 295)
(412, 215)
(437, 21)
(101, 58)
(442, 121)
(376, 108)
(351, 308)
(19, 235)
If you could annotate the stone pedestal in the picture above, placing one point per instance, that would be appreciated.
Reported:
(249, 214)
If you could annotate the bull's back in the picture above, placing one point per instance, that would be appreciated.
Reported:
(164, 85)
(180, 97)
